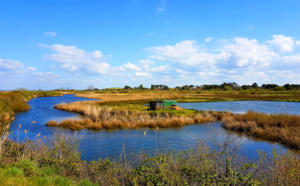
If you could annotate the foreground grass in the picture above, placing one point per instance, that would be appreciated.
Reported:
(282, 128)
(59, 163)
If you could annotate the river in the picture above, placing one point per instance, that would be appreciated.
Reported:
(109, 143)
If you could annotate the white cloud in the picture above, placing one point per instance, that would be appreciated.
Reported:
(45, 74)
(207, 40)
(15, 74)
(50, 34)
(161, 69)
(282, 43)
(245, 52)
(298, 43)
(240, 52)
(181, 71)
(142, 74)
(73, 59)
(7, 65)
(145, 64)
(31, 68)
(131, 66)
(185, 53)
(202, 74)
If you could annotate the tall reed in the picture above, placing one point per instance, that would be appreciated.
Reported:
(97, 117)
(282, 128)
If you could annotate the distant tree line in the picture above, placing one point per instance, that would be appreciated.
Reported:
(160, 87)
(235, 86)
(224, 86)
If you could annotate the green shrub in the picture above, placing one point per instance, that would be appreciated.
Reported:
(29, 167)
(14, 171)
(48, 171)
(85, 182)
(61, 181)
(43, 181)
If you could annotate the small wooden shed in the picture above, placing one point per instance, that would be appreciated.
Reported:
(161, 104)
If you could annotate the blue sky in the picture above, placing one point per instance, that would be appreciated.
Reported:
(51, 44)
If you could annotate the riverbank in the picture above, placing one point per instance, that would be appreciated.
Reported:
(14, 102)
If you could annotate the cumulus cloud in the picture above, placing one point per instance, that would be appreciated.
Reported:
(73, 59)
(43, 74)
(239, 52)
(185, 52)
(161, 69)
(7, 65)
(207, 40)
(142, 74)
(238, 59)
(15, 74)
(181, 71)
(244, 52)
(131, 66)
(282, 43)
(50, 34)
(31, 68)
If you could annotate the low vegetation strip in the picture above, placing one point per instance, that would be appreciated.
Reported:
(107, 117)
(282, 128)
(58, 163)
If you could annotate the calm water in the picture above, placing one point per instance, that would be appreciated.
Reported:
(243, 106)
(109, 143)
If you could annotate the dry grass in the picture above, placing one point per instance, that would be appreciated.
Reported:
(107, 117)
(191, 96)
(282, 128)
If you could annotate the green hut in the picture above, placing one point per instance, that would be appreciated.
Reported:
(162, 104)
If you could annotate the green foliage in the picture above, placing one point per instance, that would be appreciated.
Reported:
(86, 182)
(227, 88)
(48, 170)
(62, 181)
(29, 167)
(14, 172)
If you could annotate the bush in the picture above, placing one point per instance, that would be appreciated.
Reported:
(15, 172)
(29, 167)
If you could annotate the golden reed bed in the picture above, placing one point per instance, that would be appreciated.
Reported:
(97, 117)
(282, 128)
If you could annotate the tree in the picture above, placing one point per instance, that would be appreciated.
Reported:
(254, 85)
(90, 87)
(227, 88)
(127, 87)
(141, 86)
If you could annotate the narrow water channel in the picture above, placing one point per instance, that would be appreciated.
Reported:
(110, 143)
